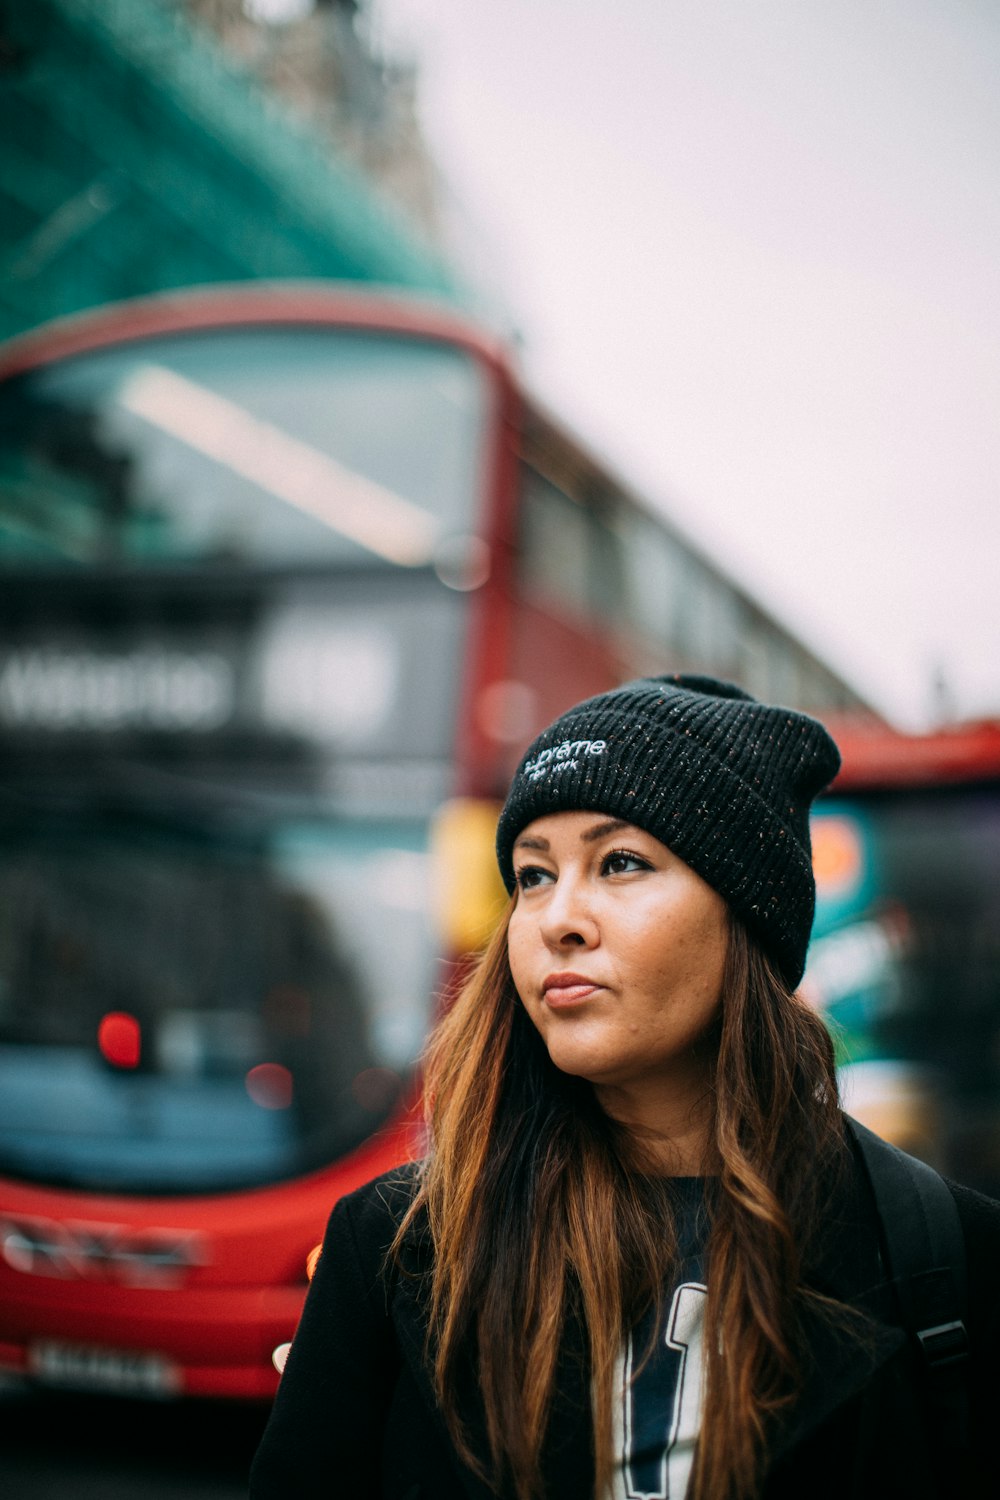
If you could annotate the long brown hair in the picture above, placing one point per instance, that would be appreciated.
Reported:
(539, 1211)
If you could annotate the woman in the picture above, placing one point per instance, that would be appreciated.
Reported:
(639, 1259)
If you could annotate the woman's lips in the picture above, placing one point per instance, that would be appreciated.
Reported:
(561, 990)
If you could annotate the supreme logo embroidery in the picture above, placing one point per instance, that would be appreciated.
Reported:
(560, 758)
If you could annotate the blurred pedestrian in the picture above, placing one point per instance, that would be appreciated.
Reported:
(642, 1257)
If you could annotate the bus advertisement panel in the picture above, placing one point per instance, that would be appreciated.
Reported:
(905, 957)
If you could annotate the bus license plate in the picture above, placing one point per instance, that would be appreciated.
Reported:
(85, 1367)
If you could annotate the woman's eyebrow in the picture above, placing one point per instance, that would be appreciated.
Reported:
(600, 830)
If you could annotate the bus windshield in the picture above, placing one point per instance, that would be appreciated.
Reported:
(269, 444)
(905, 964)
(229, 661)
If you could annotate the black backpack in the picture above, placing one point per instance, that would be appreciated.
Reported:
(924, 1250)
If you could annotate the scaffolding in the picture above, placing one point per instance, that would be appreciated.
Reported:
(138, 157)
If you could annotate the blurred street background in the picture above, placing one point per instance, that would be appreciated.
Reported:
(377, 378)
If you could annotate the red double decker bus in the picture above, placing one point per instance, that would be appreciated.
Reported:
(288, 577)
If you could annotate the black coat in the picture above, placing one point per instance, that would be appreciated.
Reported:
(355, 1417)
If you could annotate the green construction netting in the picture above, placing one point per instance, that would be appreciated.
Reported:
(136, 159)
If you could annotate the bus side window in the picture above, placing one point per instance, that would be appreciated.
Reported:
(754, 656)
(571, 550)
(653, 566)
(608, 574)
(693, 616)
(553, 544)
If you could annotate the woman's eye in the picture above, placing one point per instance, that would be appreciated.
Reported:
(530, 876)
(621, 862)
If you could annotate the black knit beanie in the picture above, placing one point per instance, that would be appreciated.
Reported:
(723, 780)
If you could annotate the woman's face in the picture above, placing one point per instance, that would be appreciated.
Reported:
(617, 950)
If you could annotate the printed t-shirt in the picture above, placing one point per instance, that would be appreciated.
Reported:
(658, 1417)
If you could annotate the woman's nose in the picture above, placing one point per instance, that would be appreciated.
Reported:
(567, 919)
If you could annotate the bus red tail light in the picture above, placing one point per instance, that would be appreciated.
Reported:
(119, 1038)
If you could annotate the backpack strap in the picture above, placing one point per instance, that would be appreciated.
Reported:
(924, 1250)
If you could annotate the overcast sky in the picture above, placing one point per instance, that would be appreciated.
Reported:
(752, 249)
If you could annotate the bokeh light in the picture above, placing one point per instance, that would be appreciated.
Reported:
(119, 1037)
(270, 1085)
